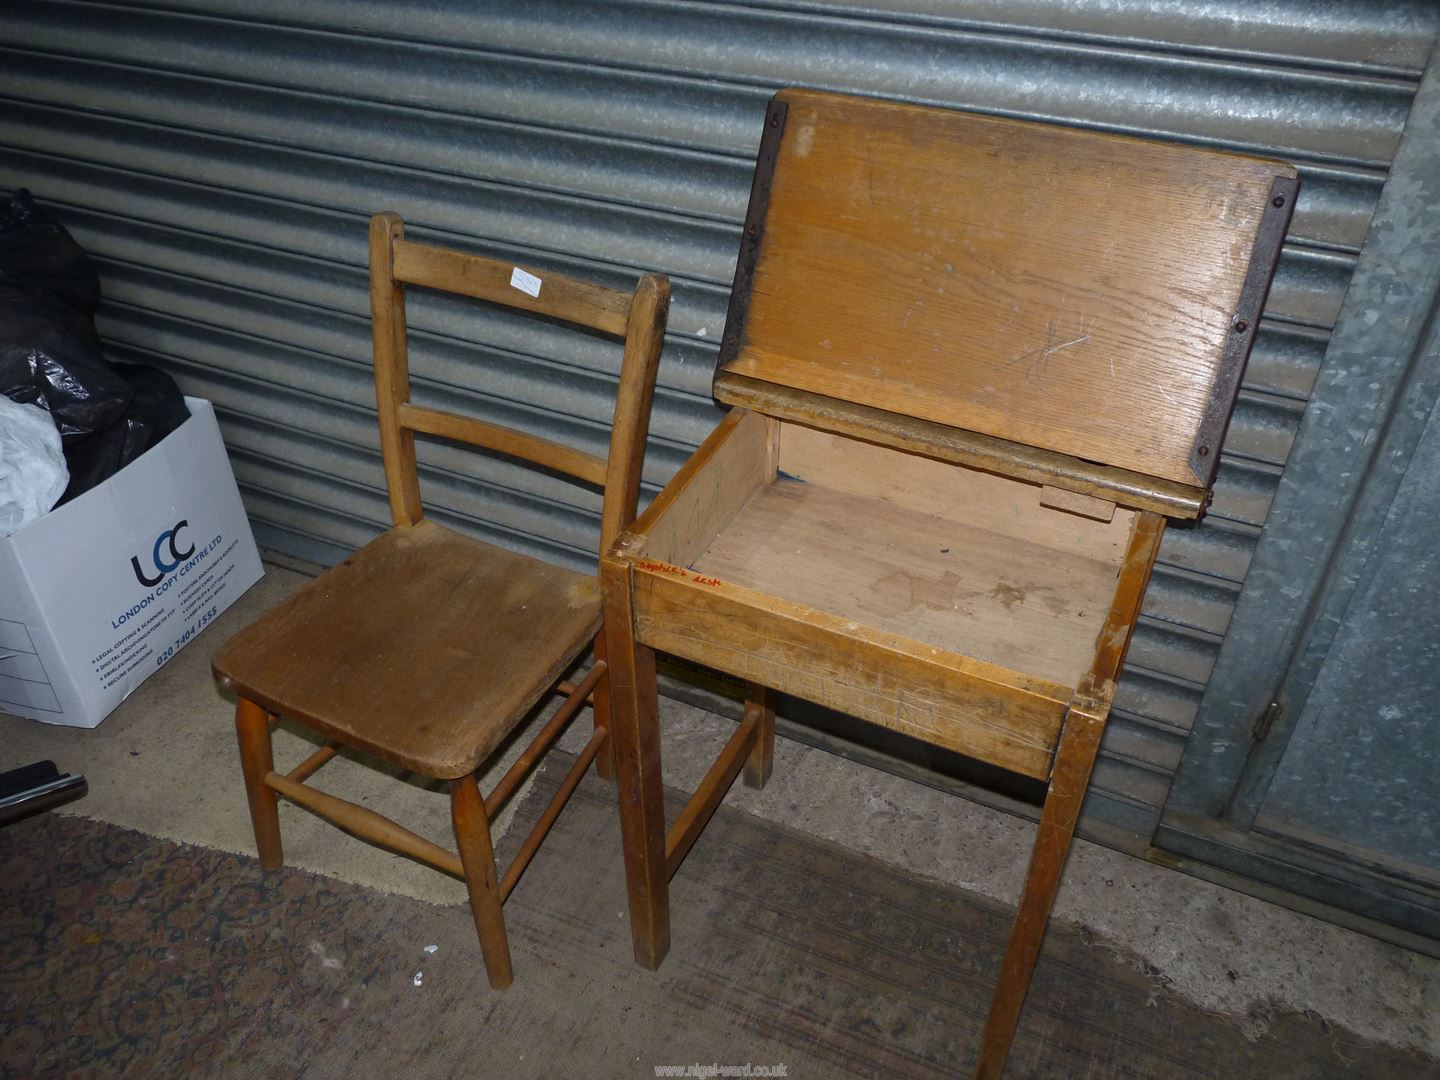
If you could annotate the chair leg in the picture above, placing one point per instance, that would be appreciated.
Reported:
(760, 703)
(252, 728)
(472, 836)
(600, 703)
(1068, 781)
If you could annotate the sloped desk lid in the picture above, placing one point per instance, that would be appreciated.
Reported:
(1088, 295)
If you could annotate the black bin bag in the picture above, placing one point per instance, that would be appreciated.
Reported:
(156, 408)
(50, 354)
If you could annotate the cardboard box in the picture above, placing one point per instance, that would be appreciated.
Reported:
(96, 596)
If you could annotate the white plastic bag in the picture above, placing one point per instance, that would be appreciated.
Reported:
(32, 465)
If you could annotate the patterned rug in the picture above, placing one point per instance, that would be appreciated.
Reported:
(123, 955)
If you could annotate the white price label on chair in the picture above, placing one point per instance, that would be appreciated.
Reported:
(525, 282)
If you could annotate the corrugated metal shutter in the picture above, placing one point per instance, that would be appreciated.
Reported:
(219, 160)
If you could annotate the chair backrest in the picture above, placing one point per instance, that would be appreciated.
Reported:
(637, 317)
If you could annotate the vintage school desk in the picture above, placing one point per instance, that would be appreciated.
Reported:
(975, 365)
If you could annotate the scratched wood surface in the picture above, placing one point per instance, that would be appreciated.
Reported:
(956, 446)
(710, 487)
(398, 680)
(931, 577)
(944, 698)
(982, 500)
(1064, 289)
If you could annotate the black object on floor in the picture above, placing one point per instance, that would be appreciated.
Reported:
(31, 789)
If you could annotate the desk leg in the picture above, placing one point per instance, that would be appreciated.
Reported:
(760, 703)
(1073, 762)
(635, 731)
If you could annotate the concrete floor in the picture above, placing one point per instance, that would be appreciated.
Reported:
(1216, 949)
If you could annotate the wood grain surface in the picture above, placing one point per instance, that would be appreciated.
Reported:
(708, 490)
(492, 279)
(946, 699)
(925, 576)
(957, 446)
(425, 647)
(978, 499)
(1054, 287)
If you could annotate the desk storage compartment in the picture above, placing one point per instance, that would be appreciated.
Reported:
(937, 600)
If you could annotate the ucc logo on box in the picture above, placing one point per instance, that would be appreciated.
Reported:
(169, 539)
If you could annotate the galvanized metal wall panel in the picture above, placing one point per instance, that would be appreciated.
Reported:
(219, 159)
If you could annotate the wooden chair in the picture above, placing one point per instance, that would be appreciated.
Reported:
(426, 648)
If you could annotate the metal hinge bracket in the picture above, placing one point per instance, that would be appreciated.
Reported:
(1266, 720)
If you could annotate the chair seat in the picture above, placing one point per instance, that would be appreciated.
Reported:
(425, 648)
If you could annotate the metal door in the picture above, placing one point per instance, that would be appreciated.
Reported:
(1311, 765)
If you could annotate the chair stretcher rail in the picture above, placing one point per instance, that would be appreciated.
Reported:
(542, 741)
(367, 824)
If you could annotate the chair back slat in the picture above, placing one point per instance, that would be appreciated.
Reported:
(514, 286)
(544, 452)
(638, 317)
